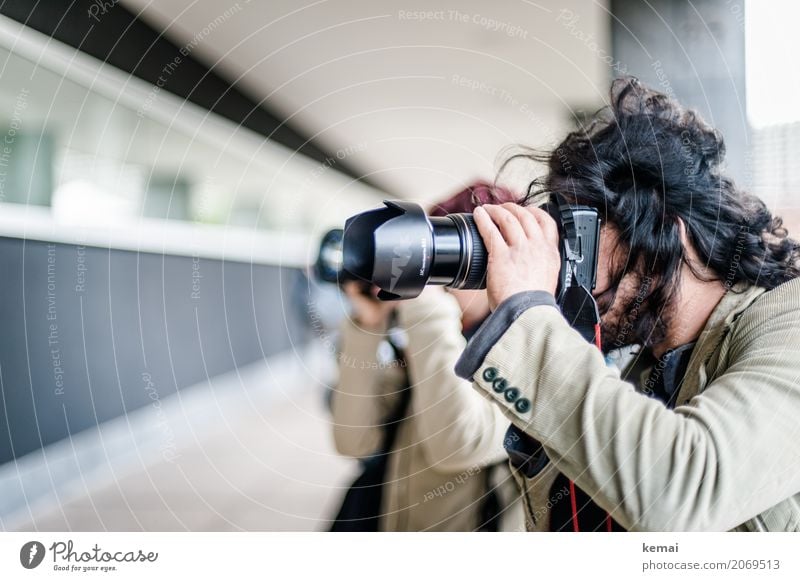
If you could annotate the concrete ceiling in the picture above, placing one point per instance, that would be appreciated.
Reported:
(422, 96)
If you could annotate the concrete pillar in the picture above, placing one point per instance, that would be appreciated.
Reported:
(694, 51)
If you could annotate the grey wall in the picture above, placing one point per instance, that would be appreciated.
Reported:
(694, 51)
(89, 333)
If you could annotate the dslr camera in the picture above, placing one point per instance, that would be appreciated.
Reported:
(400, 249)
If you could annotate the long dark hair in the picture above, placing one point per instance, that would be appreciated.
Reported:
(644, 162)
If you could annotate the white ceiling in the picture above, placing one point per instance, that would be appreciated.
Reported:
(383, 89)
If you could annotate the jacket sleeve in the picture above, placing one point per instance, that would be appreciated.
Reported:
(710, 464)
(367, 393)
(453, 423)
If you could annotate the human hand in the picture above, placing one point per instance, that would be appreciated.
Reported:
(523, 250)
(474, 305)
(369, 311)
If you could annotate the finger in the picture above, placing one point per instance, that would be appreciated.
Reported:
(351, 288)
(528, 222)
(507, 223)
(362, 306)
(548, 226)
(492, 238)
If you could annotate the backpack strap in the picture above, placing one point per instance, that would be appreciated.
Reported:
(392, 424)
(491, 507)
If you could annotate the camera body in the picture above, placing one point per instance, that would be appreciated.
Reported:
(579, 245)
(400, 249)
(328, 266)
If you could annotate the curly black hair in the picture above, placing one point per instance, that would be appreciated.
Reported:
(644, 162)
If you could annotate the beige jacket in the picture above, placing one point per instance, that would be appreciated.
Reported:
(437, 472)
(726, 458)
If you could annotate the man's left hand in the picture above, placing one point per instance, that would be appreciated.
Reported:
(523, 250)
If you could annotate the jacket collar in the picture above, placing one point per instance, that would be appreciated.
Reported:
(732, 304)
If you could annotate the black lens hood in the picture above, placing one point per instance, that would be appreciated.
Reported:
(391, 247)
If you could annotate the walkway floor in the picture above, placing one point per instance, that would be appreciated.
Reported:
(273, 469)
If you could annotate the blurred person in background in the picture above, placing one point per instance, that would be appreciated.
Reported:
(445, 467)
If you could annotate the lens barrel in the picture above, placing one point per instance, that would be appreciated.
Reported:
(328, 266)
(474, 257)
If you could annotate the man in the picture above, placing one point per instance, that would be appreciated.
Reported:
(704, 280)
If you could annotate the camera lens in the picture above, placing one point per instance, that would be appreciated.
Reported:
(472, 258)
(328, 266)
(400, 249)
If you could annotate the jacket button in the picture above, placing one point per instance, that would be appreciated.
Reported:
(511, 394)
(522, 405)
(500, 384)
(490, 373)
